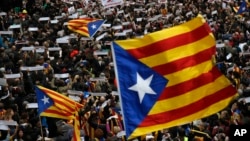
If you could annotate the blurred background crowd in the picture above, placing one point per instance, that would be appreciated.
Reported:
(83, 69)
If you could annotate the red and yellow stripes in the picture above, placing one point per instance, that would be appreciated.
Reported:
(76, 135)
(55, 112)
(61, 101)
(236, 9)
(63, 107)
(183, 55)
(80, 25)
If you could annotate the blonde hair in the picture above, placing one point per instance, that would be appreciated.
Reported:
(8, 114)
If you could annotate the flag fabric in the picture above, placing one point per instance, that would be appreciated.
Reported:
(236, 9)
(76, 135)
(53, 104)
(168, 78)
(243, 7)
(85, 26)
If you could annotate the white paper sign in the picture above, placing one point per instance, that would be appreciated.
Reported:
(32, 105)
(8, 76)
(63, 75)
(3, 82)
(106, 25)
(98, 79)
(75, 98)
(15, 26)
(229, 56)
(121, 133)
(3, 13)
(120, 34)
(117, 27)
(33, 29)
(54, 21)
(100, 52)
(101, 36)
(6, 32)
(58, 17)
(111, 3)
(162, 1)
(27, 48)
(74, 92)
(33, 68)
(44, 19)
(6, 122)
(220, 45)
(98, 94)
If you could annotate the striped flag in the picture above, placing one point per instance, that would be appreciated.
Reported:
(243, 7)
(85, 26)
(76, 135)
(53, 104)
(168, 78)
(236, 9)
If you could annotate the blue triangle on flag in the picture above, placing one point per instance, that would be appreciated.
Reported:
(243, 7)
(94, 26)
(43, 100)
(127, 68)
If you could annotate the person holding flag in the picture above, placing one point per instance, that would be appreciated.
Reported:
(56, 105)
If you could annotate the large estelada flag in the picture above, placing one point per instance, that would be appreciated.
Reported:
(168, 78)
(85, 26)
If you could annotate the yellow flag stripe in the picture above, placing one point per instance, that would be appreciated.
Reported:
(188, 73)
(157, 36)
(179, 52)
(216, 107)
(189, 97)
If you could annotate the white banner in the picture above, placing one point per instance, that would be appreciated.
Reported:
(162, 1)
(111, 3)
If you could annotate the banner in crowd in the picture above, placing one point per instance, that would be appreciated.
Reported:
(162, 1)
(168, 78)
(69, 1)
(111, 3)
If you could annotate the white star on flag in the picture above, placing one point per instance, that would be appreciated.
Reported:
(142, 86)
(45, 100)
(93, 26)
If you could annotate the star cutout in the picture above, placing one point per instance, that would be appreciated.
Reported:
(142, 87)
(45, 100)
(93, 26)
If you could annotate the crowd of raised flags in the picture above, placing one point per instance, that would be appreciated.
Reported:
(124, 70)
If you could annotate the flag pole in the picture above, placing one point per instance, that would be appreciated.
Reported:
(118, 85)
(41, 128)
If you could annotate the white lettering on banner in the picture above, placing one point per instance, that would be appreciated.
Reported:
(111, 3)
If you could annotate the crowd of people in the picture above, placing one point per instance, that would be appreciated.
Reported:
(84, 65)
